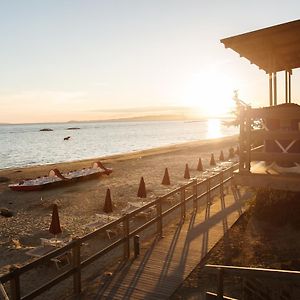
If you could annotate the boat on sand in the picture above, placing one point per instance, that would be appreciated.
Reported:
(56, 178)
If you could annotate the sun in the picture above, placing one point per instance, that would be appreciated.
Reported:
(210, 93)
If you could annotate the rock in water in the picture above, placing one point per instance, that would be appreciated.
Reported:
(46, 129)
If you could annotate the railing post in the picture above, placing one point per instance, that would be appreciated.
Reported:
(220, 284)
(76, 265)
(3, 292)
(195, 194)
(136, 245)
(15, 283)
(182, 200)
(159, 217)
(222, 185)
(208, 190)
(126, 236)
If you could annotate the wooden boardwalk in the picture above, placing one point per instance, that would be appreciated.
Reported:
(165, 263)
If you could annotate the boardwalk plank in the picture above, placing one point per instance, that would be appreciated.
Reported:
(159, 270)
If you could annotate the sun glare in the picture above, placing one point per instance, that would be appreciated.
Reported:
(214, 128)
(210, 93)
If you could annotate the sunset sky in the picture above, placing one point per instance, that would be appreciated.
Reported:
(86, 60)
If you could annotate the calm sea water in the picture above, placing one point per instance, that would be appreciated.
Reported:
(26, 145)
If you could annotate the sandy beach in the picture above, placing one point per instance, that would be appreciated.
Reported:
(79, 203)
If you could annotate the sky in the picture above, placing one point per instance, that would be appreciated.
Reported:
(89, 60)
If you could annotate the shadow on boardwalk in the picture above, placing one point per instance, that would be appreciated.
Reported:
(169, 260)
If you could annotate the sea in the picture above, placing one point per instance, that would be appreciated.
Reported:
(25, 145)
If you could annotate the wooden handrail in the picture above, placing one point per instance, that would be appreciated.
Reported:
(258, 148)
(254, 272)
(249, 273)
(74, 245)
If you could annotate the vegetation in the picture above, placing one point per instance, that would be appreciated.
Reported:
(278, 208)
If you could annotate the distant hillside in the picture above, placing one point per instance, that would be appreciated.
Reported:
(142, 118)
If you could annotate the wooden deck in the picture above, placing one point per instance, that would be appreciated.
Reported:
(166, 262)
(261, 176)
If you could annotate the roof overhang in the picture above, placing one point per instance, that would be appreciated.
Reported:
(272, 49)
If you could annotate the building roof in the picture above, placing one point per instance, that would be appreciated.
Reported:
(272, 49)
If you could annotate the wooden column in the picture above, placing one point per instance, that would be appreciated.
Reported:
(242, 138)
(290, 99)
(286, 87)
(271, 88)
(275, 88)
(248, 142)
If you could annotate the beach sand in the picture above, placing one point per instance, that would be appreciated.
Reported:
(79, 203)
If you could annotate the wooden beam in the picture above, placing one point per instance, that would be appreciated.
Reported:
(271, 113)
(276, 182)
(279, 157)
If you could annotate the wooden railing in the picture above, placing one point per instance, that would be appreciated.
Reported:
(271, 282)
(190, 193)
(249, 137)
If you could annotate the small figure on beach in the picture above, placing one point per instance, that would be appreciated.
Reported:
(67, 138)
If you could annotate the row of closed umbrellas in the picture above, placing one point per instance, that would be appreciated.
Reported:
(55, 228)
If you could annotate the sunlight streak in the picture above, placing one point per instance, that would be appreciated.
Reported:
(213, 128)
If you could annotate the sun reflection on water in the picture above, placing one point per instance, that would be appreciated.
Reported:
(214, 128)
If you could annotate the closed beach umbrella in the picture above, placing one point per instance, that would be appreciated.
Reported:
(166, 179)
(200, 166)
(55, 225)
(221, 158)
(108, 207)
(142, 189)
(187, 172)
(212, 160)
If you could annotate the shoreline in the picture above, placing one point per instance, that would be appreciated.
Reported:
(79, 203)
(5, 172)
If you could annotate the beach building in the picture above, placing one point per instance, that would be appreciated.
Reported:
(270, 136)
(269, 147)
